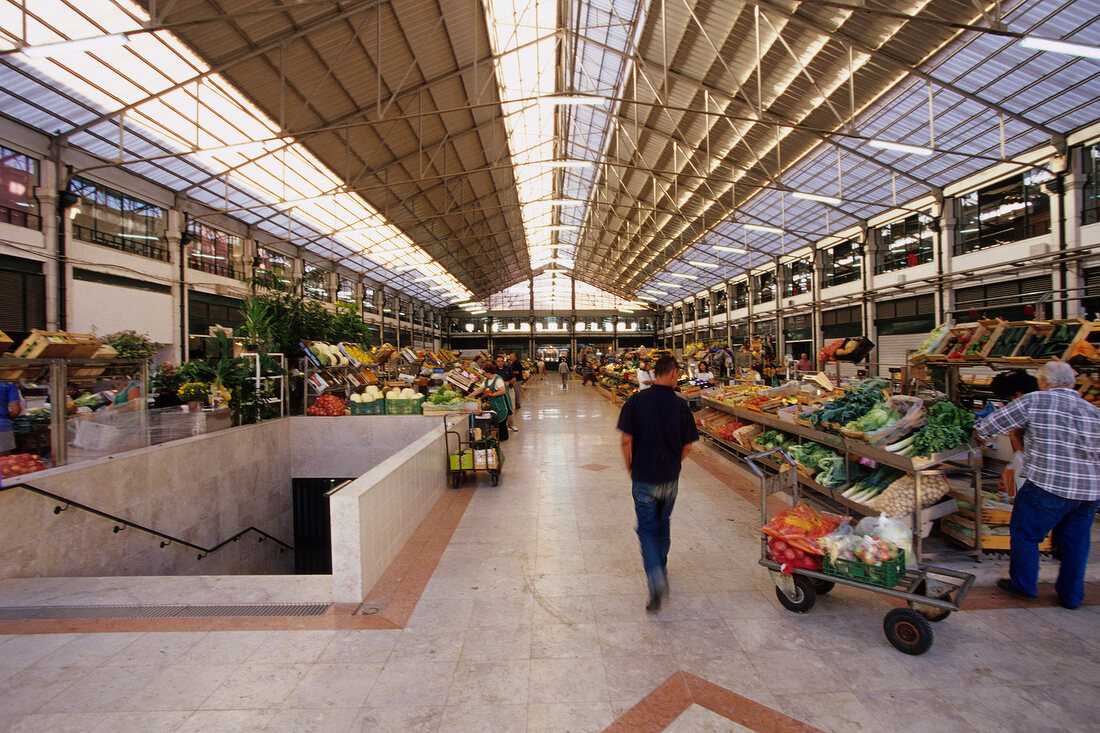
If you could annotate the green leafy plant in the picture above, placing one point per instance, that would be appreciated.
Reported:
(133, 345)
(255, 327)
(194, 392)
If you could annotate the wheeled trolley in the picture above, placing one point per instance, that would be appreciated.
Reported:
(470, 447)
(931, 592)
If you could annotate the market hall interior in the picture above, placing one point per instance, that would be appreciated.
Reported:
(521, 607)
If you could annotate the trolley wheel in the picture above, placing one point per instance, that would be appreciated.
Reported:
(803, 598)
(932, 613)
(456, 479)
(494, 477)
(822, 586)
(908, 631)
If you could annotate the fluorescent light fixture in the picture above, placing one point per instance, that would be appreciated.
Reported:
(700, 263)
(816, 197)
(562, 228)
(568, 163)
(404, 268)
(762, 228)
(899, 147)
(683, 276)
(658, 292)
(646, 297)
(1055, 46)
(78, 45)
(572, 99)
(723, 248)
(462, 302)
(664, 284)
(137, 236)
(565, 202)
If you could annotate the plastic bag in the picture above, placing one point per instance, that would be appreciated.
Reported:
(802, 525)
(1013, 477)
(892, 530)
(791, 557)
(840, 544)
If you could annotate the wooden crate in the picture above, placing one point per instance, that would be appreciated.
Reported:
(5, 342)
(1090, 332)
(1005, 327)
(45, 345)
(989, 541)
(85, 345)
(958, 341)
(1037, 332)
(986, 330)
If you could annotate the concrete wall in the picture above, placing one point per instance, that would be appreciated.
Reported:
(374, 516)
(206, 489)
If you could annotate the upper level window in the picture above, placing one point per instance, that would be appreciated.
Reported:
(841, 264)
(702, 306)
(402, 310)
(18, 177)
(1008, 211)
(370, 300)
(905, 243)
(763, 287)
(689, 311)
(115, 219)
(798, 277)
(677, 315)
(213, 250)
(345, 290)
(719, 297)
(272, 267)
(315, 282)
(388, 305)
(1090, 204)
(739, 297)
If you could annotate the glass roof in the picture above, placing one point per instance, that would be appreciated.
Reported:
(187, 128)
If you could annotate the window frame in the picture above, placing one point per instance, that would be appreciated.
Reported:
(983, 204)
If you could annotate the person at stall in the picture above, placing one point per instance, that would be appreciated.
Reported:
(804, 364)
(703, 373)
(645, 374)
(517, 379)
(11, 405)
(127, 397)
(1062, 490)
(504, 370)
(563, 371)
(1006, 387)
(657, 432)
(589, 373)
(496, 390)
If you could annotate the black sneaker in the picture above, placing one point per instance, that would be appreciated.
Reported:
(1006, 585)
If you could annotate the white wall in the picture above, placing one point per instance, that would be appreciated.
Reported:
(103, 309)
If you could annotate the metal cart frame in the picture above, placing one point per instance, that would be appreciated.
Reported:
(456, 471)
(908, 629)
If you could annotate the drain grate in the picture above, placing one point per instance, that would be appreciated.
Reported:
(52, 613)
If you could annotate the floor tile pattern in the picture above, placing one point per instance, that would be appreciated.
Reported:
(521, 607)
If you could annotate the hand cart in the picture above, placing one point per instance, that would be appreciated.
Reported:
(469, 447)
(908, 629)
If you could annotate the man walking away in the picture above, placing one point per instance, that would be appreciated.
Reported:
(1062, 490)
(657, 433)
(563, 370)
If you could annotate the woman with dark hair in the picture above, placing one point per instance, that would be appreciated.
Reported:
(496, 390)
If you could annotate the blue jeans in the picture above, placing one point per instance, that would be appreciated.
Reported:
(1037, 512)
(653, 505)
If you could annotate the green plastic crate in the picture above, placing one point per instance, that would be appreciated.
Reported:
(462, 461)
(403, 407)
(886, 575)
(377, 407)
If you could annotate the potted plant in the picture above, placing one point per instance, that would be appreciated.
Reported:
(194, 394)
(130, 344)
(256, 324)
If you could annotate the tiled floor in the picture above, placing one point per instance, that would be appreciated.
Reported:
(532, 619)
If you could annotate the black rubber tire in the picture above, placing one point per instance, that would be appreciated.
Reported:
(805, 595)
(456, 480)
(494, 477)
(908, 631)
(822, 586)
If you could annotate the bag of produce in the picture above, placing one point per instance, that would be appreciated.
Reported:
(802, 525)
(791, 557)
(890, 532)
(897, 499)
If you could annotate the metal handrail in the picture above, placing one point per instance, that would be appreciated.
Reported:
(122, 524)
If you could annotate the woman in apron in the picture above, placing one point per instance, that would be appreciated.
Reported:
(497, 391)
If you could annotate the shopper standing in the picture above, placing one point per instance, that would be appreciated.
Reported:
(804, 364)
(509, 378)
(645, 374)
(497, 391)
(657, 433)
(1062, 490)
(517, 380)
(563, 370)
(11, 404)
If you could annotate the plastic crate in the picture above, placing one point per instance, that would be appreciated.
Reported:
(375, 407)
(886, 575)
(403, 407)
(463, 460)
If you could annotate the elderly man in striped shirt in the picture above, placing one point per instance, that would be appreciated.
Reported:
(1062, 491)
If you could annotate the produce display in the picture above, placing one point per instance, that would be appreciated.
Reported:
(328, 405)
(810, 455)
(859, 400)
(444, 397)
(370, 394)
(796, 532)
(879, 417)
(871, 486)
(771, 439)
(946, 428)
(897, 499)
(20, 464)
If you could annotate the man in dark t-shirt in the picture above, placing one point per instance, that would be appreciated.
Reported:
(657, 433)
